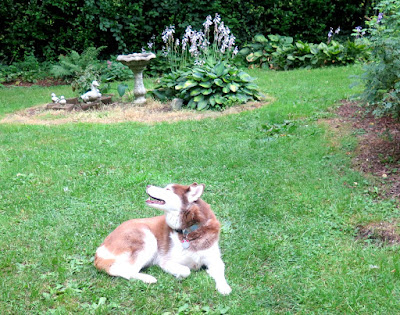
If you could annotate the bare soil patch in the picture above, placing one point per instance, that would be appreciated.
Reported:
(152, 112)
(380, 233)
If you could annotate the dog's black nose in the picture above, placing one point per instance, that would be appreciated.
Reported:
(148, 186)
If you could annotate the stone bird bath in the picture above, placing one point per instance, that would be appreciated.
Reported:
(137, 62)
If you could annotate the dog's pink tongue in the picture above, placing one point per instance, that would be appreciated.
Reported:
(155, 201)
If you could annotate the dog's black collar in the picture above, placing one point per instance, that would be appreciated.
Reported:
(190, 229)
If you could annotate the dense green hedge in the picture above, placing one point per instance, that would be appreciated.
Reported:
(51, 27)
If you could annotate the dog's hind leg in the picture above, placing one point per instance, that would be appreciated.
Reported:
(128, 266)
(130, 270)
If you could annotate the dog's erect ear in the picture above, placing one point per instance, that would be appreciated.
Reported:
(195, 192)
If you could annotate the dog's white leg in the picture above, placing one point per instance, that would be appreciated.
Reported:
(125, 268)
(144, 277)
(216, 269)
(177, 270)
(128, 271)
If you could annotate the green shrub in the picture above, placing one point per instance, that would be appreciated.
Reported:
(28, 70)
(123, 26)
(159, 65)
(115, 71)
(211, 86)
(281, 52)
(260, 51)
(382, 75)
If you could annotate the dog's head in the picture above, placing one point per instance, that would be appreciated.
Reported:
(173, 197)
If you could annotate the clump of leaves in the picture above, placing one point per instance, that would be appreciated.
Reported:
(277, 130)
(259, 51)
(210, 86)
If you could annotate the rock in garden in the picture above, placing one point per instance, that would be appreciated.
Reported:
(176, 104)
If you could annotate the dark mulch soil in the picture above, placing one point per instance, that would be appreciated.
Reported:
(45, 82)
(378, 152)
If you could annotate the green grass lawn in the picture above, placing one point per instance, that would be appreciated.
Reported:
(287, 202)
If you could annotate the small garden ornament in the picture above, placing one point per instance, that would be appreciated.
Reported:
(62, 101)
(92, 95)
(54, 98)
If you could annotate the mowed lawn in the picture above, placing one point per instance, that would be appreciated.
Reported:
(289, 203)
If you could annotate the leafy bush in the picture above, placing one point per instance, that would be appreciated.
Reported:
(28, 70)
(382, 75)
(159, 65)
(260, 51)
(211, 86)
(115, 71)
(123, 26)
(280, 52)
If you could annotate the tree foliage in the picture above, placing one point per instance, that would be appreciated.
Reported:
(50, 27)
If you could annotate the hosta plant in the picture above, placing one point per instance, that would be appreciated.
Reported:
(280, 52)
(260, 51)
(211, 86)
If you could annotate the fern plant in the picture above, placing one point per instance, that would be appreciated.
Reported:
(73, 65)
(79, 69)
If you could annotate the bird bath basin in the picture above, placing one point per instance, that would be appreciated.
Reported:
(137, 62)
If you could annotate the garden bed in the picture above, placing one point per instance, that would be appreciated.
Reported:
(378, 157)
(152, 112)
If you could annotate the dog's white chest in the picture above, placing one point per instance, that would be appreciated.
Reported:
(185, 256)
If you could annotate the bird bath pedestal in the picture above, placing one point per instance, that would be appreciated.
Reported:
(137, 62)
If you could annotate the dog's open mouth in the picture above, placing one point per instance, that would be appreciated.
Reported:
(154, 200)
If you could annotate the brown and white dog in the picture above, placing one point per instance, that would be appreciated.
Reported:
(185, 238)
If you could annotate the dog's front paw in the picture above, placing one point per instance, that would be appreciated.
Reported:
(224, 288)
(183, 272)
(145, 278)
(149, 279)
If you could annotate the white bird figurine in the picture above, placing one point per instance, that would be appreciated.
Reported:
(93, 94)
(62, 101)
(54, 98)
